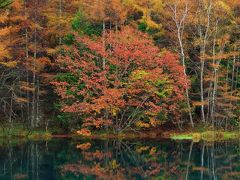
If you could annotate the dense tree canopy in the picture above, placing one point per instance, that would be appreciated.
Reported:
(128, 81)
(119, 64)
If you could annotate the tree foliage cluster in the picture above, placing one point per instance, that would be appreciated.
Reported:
(128, 81)
(119, 64)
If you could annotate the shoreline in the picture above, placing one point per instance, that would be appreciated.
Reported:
(194, 136)
(176, 135)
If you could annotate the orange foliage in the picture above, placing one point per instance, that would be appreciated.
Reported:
(84, 132)
(84, 146)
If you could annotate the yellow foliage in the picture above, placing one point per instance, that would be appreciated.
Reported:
(215, 66)
(4, 52)
(115, 111)
(146, 7)
(141, 149)
(52, 51)
(142, 124)
(211, 79)
(149, 113)
(114, 164)
(26, 87)
(153, 151)
(21, 100)
(199, 168)
(222, 56)
(221, 5)
(84, 146)
(154, 122)
(196, 137)
(232, 98)
(139, 74)
(199, 103)
(10, 64)
(151, 24)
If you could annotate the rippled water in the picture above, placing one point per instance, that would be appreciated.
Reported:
(116, 159)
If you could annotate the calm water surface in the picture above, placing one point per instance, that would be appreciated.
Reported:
(116, 159)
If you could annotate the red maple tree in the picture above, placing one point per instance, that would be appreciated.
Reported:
(120, 80)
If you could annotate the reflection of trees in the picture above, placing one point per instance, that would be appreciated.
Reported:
(217, 161)
(29, 160)
(20, 161)
(182, 160)
(124, 159)
(119, 159)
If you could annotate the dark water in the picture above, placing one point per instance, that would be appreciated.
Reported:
(115, 159)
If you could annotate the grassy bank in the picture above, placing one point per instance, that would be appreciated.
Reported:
(196, 135)
(18, 131)
(207, 136)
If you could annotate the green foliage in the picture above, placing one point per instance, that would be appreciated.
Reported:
(143, 26)
(5, 3)
(138, 75)
(234, 122)
(81, 25)
(182, 137)
(64, 118)
(162, 117)
(69, 39)
(154, 32)
(66, 77)
(164, 88)
(207, 136)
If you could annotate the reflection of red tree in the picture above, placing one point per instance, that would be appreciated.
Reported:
(154, 169)
(83, 169)
(84, 146)
(95, 170)
(96, 155)
(139, 160)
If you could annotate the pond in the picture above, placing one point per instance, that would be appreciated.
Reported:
(118, 159)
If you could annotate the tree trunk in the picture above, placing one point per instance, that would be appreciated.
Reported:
(180, 29)
(33, 118)
(26, 59)
(60, 17)
(202, 86)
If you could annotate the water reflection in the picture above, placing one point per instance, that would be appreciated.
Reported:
(116, 159)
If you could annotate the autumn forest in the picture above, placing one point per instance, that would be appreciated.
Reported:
(113, 66)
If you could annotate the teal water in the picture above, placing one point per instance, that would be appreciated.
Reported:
(115, 159)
